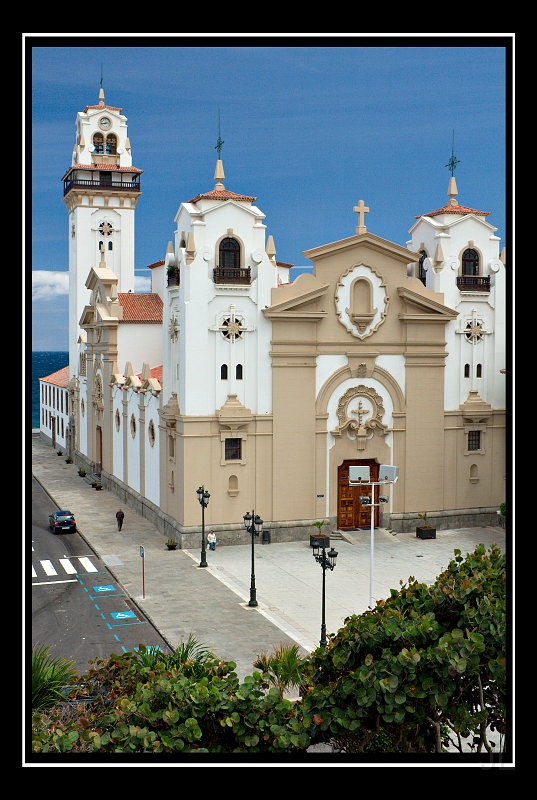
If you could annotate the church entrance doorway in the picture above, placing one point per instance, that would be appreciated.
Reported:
(351, 514)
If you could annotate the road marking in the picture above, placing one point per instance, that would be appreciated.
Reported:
(122, 614)
(49, 569)
(47, 583)
(34, 573)
(68, 567)
(88, 565)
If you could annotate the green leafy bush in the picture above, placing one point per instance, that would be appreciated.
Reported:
(502, 509)
(427, 663)
(190, 706)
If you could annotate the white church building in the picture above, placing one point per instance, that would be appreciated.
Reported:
(229, 377)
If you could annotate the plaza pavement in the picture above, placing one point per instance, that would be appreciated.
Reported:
(211, 603)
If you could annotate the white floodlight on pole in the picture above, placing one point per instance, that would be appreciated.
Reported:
(359, 476)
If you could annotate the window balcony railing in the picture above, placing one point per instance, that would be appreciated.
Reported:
(79, 183)
(232, 275)
(473, 283)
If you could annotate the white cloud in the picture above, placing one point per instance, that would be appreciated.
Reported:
(142, 284)
(49, 284)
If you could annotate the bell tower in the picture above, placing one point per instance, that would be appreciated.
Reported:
(101, 189)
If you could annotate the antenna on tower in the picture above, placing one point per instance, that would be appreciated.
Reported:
(452, 163)
(219, 142)
(101, 76)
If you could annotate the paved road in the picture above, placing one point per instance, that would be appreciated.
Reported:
(212, 603)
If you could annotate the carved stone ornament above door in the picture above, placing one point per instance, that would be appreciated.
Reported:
(369, 411)
(361, 300)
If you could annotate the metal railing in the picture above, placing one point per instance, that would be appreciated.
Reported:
(79, 183)
(473, 283)
(232, 275)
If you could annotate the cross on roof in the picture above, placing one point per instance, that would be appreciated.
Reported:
(361, 209)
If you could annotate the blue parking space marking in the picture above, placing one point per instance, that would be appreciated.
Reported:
(108, 588)
(123, 615)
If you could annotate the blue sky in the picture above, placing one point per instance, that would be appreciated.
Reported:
(310, 125)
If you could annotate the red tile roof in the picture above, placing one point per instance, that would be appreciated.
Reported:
(102, 168)
(221, 195)
(283, 264)
(59, 378)
(156, 264)
(140, 308)
(112, 108)
(454, 210)
(156, 372)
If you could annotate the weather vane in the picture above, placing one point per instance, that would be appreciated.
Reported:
(452, 163)
(101, 76)
(219, 142)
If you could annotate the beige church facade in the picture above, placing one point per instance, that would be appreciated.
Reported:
(263, 391)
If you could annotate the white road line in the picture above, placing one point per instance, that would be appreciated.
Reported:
(49, 569)
(46, 583)
(88, 566)
(68, 567)
(34, 573)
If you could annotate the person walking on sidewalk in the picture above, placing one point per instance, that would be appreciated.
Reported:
(120, 516)
(211, 538)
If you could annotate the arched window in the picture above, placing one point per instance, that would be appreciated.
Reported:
(111, 144)
(110, 245)
(229, 254)
(422, 274)
(238, 372)
(470, 262)
(467, 370)
(118, 419)
(223, 372)
(479, 371)
(98, 143)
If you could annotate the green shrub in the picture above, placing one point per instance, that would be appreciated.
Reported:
(50, 677)
(502, 509)
(429, 660)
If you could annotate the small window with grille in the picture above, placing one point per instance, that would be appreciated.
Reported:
(474, 440)
(233, 449)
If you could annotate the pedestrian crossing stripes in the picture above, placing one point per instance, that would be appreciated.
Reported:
(84, 565)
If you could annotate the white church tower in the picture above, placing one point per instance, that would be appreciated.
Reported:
(101, 189)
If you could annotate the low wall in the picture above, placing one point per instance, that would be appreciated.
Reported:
(444, 520)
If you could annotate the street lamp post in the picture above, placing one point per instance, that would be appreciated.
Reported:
(253, 524)
(327, 561)
(203, 498)
(359, 476)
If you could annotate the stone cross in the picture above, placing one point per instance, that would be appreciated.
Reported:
(361, 209)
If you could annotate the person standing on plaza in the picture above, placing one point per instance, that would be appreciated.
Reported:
(211, 538)
(120, 516)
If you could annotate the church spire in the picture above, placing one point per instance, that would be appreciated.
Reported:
(101, 90)
(219, 171)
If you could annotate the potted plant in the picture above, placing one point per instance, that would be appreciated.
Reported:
(97, 485)
(68, 460)
(425, 531)
(59, 453)
(171, 544)
(82, 472)
(318, 539)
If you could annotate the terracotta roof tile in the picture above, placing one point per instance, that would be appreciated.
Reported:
(111, 108)
(221, 195)
(140, 308)
(156, 264)
(102, 168)
(283, 264)
(156, 372)
(454, 210)
(59, 378)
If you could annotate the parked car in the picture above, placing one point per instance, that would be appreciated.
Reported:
(61, 521)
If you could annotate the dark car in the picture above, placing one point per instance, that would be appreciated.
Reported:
(61, 521)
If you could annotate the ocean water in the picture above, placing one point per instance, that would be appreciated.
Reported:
(44, 362)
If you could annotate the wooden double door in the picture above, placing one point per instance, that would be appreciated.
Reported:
(351, 514)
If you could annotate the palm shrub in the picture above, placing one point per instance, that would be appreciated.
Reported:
(283, 668)
(50, 678)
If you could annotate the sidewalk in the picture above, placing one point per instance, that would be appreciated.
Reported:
(212, 602)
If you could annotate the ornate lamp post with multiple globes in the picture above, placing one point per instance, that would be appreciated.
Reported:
(203, 498)
(253, 524)
(327, 561)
